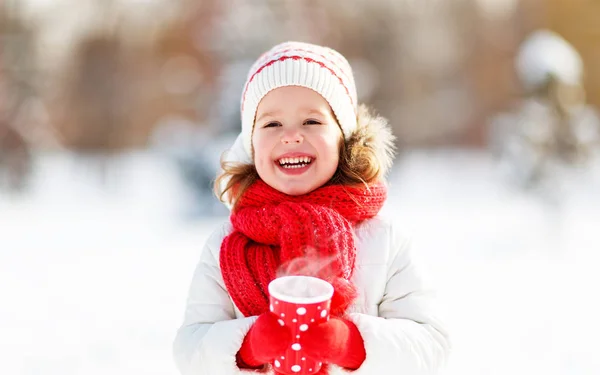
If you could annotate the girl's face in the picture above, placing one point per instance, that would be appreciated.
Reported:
(296, 140)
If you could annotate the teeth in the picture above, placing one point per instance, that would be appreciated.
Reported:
(294, 166)
(304, 159)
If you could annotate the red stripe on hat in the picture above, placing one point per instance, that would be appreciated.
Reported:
(293, 57)
(330, 54)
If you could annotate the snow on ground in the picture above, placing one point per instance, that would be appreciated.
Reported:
(518, 275)
(94, 275)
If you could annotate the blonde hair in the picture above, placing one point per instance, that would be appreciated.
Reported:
(363, 159)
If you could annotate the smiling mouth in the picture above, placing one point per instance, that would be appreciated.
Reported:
(292, 163)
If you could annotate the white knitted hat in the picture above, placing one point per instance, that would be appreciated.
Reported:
(319, 68)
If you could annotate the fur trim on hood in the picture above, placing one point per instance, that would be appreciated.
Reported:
(374, 135)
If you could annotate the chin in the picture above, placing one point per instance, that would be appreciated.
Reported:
(296, 190)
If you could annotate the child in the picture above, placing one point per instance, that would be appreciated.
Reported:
(305, 183)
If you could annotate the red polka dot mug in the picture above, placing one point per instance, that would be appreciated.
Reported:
(299, 303)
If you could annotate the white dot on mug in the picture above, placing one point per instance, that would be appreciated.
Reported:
(312, 320)
(304, 358)
(323, 313)
(296, 347)
(303, 327)
(301, 311)
(271, 308)
(309, 369)
(296, 368)
(295, 320)
(297, 336)
(281, 322)
(282, 357)
(277, 302)
(277, 364)
(318, 307)
(282, 315)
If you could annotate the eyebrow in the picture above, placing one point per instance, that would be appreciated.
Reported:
(268, 114)
(314, 111)
(303, 110)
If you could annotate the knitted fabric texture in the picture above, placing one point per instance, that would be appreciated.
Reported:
(276, 234)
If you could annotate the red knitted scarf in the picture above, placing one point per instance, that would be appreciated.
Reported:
(276, 234)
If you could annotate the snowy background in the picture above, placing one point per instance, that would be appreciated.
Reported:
(94, 269)
(96, 253)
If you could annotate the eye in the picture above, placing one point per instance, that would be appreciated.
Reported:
(271, 124)
(312, 122)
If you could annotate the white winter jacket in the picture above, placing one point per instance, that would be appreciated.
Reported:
(394, 311)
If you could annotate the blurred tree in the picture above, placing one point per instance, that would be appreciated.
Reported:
(436, 69)
(16, 75)
(551, 125)
(94, 107)
(578, 21)
(187, 65)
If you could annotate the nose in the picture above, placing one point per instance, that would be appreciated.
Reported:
(291, 137)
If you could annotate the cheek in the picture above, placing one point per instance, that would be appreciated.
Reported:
(259, 154)
(255, 144)
(332, 154)
(334, 143)
(335, 158)
(335, 151)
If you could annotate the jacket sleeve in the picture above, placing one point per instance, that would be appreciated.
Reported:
(407, 338)
(210, 335)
